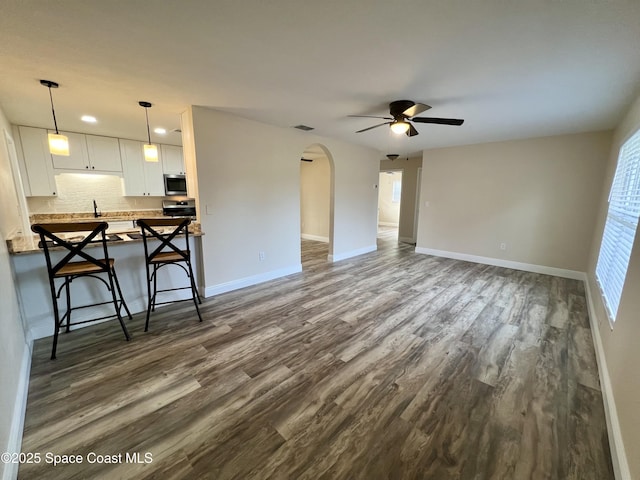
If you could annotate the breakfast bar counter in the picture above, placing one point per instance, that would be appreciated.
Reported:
(125, 246)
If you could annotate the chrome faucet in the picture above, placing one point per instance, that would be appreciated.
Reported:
(96, 214)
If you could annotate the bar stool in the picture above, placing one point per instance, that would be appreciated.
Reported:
(67, 270)
(166, 253)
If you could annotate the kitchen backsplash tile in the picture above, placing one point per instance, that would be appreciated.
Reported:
(77, 191)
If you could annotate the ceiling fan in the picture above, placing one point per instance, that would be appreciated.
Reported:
(401, 112)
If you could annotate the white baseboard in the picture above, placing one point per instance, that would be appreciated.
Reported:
(353, 253)
(388, 224)
(527, 267)
(19, 411)
(252, 280)
(618, 454)
(317, 238)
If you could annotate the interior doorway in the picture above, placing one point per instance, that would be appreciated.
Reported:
(316, 205)
(389, 203)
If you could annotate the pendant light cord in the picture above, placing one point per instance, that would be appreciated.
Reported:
(146, 114)
(53, 111)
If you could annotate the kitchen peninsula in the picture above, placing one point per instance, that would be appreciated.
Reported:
(125, 246)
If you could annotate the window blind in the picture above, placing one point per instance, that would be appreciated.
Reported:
(621, 225)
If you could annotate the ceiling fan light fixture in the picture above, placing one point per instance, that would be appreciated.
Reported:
(150, 150)
(58, 143)
(399, 127)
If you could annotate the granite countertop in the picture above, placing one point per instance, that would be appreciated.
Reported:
(122, 224)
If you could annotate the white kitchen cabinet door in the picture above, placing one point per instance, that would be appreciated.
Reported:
(78, 159)
(172, 160)
(104, 153)
(40, 181)
(154, 179)
(141, 178)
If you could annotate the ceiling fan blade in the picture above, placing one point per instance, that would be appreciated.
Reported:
(439, 121)
(412, 132)
(375, 126)
(417, 109)
(369, 116)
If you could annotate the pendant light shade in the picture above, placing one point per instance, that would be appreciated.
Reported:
(58, 144)
(150, 151)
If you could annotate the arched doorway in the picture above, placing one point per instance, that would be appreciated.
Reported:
(316, 205)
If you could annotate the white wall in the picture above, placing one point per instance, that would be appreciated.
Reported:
(14, 351)
(538, 196)
(315, 195)
(619, 347)
(249, 197)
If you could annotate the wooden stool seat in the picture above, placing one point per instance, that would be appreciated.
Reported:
(167, 257)
(82, 268)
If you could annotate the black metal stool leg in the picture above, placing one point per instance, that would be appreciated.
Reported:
(56, 319)
(68, 295)
(115, 305)
(122, 302)
(150, 299)
(155, 287)
(194, 291)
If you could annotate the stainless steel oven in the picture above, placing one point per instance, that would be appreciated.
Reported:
(179, 208)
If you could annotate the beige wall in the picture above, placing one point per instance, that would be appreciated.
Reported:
(388, 211)
(538, 196)
(13, 347)
(315, 196)
(249, 196)
(407, 229)
(621, 344)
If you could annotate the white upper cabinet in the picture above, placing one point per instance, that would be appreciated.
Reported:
(141, 178)
(78, 159)
(104, 154)
(172, 161)
(90, 153)
(33, 151)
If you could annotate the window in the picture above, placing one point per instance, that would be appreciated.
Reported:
(397, 191)
(620, 227)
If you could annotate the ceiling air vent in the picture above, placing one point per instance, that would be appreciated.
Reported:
(303, 128)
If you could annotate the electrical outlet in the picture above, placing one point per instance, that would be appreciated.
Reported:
(503, 246)
(261, 256)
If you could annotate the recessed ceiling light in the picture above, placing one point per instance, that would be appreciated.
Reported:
(88, 119)
(160, 130)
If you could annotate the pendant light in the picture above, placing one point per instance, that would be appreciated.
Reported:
(150, 151)
(58, 144)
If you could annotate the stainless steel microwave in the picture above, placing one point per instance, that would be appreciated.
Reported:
(175, 185)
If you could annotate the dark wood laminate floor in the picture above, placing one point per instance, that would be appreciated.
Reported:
(387, 365)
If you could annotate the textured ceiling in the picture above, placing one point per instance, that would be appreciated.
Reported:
(511, 69)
